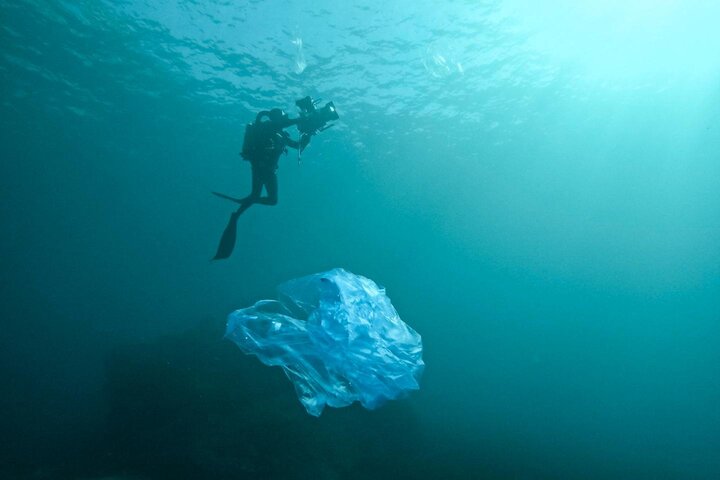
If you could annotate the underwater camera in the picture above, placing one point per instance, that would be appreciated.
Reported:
(313, 119)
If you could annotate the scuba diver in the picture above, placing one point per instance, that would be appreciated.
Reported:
(265, 140)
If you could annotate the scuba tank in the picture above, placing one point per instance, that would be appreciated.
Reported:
(249, 146)
(253, 137)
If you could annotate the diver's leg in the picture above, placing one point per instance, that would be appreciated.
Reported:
(271, 186)
(257, 185)
(256, 191)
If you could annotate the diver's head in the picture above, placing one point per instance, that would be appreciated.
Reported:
(275, 119)
(278, 116)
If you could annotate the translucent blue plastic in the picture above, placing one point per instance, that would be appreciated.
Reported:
(338, 338)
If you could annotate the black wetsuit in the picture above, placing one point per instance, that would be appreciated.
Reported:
(264, 167)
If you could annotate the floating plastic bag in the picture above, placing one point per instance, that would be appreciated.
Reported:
(337, 337)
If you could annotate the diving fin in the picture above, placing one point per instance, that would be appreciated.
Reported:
(228, 197)
(227, 242)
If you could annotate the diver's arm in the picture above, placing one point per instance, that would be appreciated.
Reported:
(304, 141)
(292, 143)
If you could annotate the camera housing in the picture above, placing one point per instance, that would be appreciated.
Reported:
(313, 119)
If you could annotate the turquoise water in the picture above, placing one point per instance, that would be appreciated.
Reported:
(535, 184)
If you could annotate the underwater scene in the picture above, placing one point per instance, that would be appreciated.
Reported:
(280, 239)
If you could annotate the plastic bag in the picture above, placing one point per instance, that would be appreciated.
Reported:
(337, 337)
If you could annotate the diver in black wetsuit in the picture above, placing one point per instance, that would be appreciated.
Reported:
(268, 143)
(265, 140)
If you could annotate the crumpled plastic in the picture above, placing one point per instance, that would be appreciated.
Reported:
(338, 338)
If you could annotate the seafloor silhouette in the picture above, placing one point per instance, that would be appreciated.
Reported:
(193, 406)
